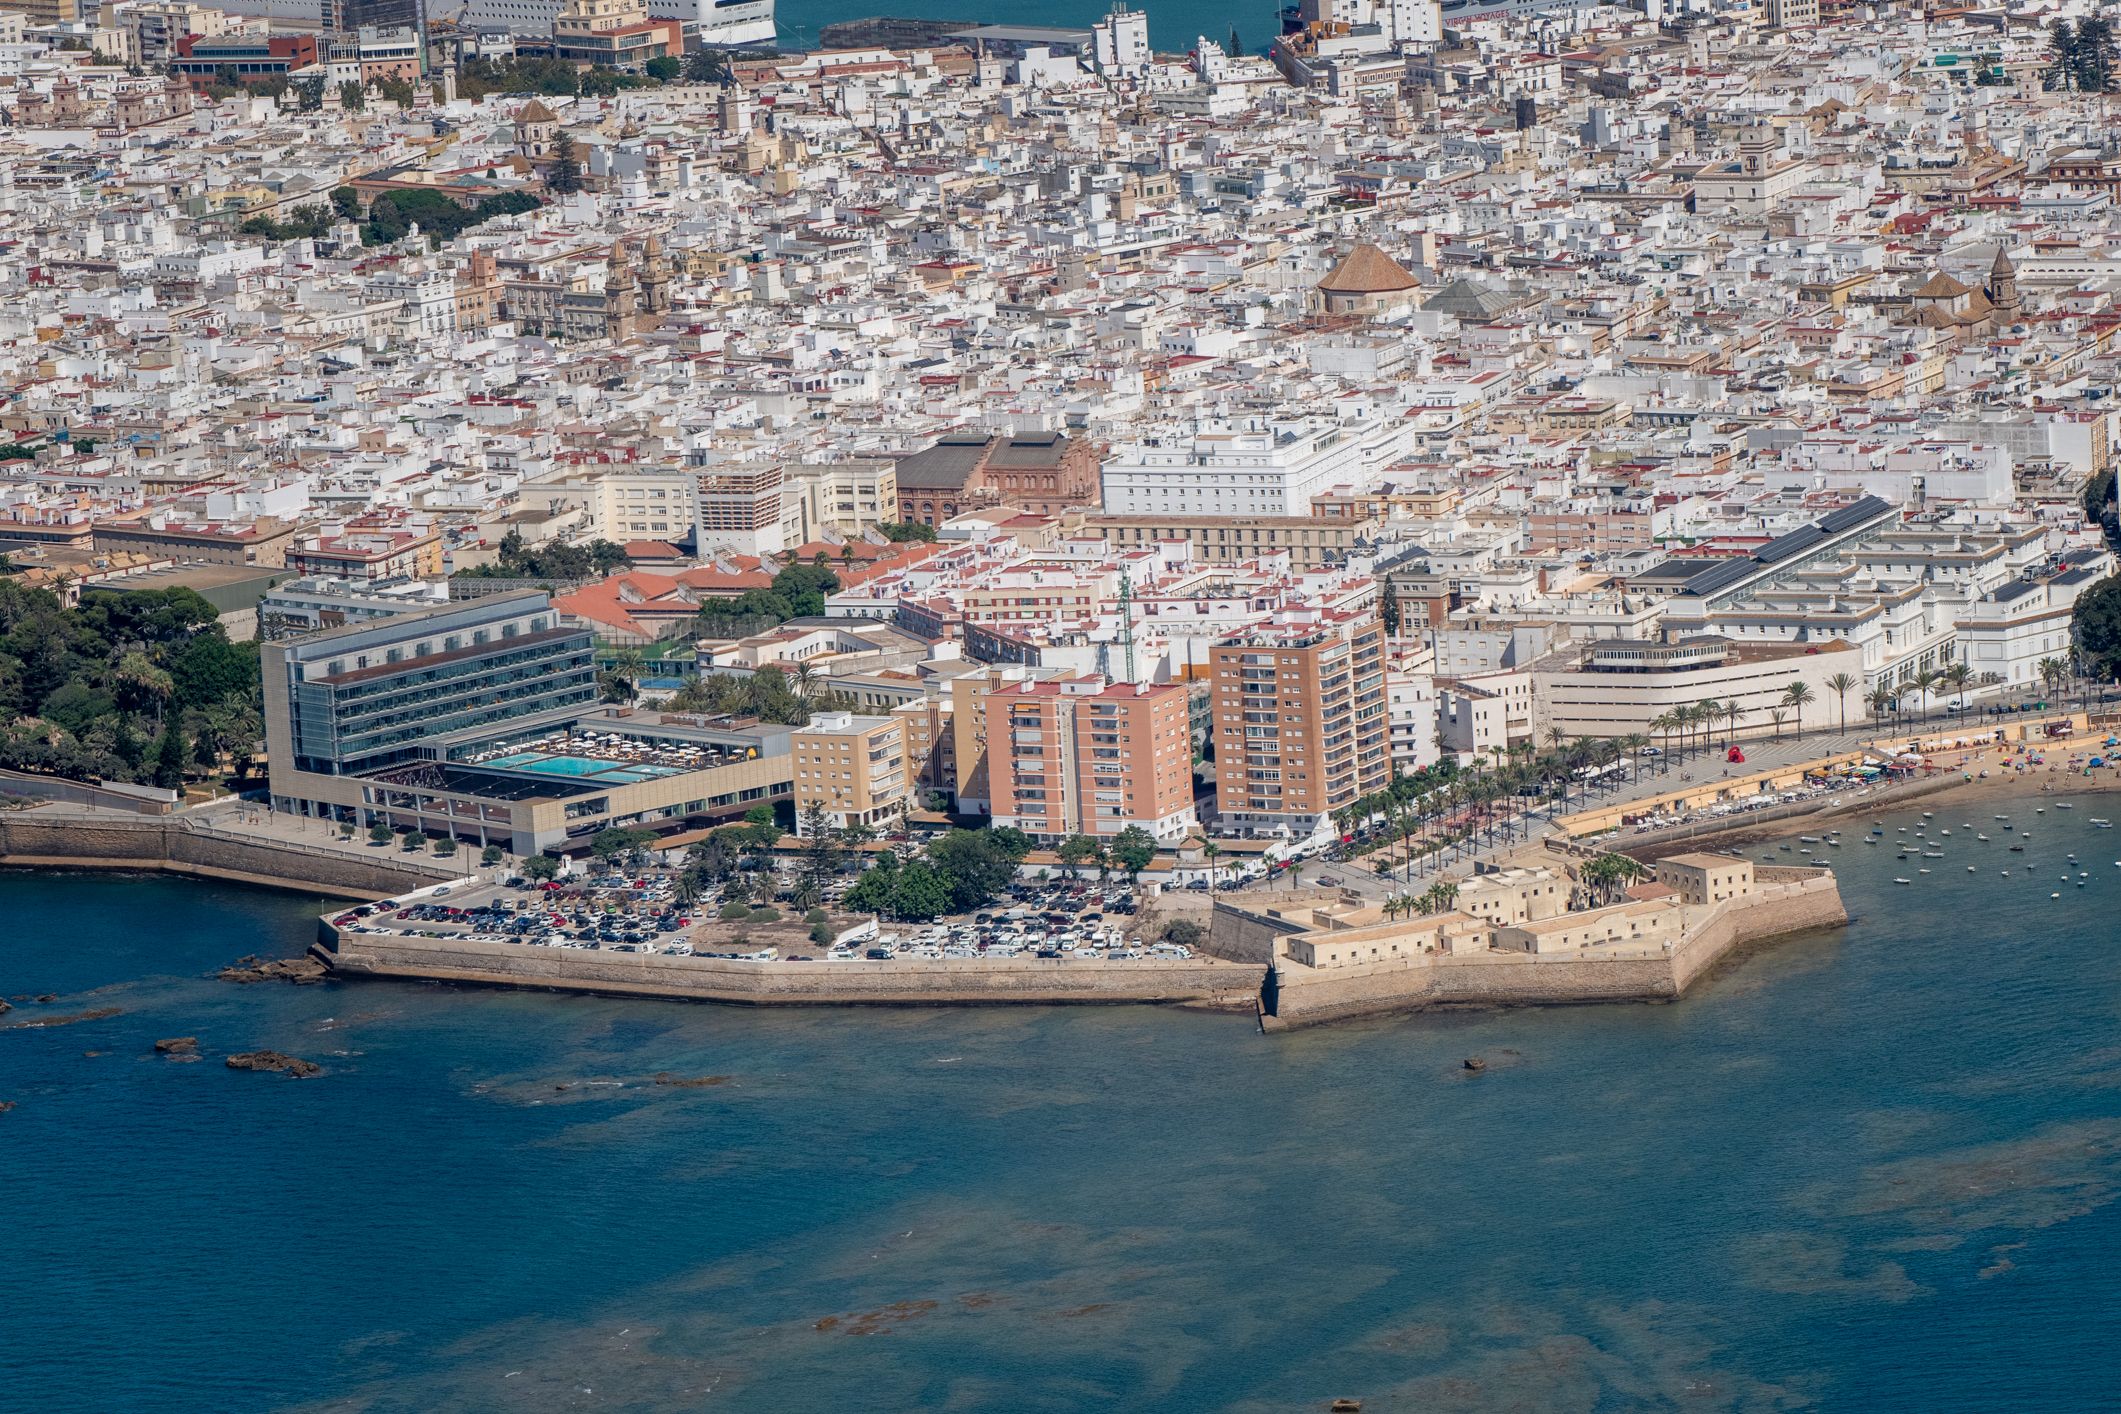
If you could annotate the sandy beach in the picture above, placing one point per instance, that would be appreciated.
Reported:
(1956, 778)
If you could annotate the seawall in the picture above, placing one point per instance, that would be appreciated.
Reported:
(1795, 902)
(900, 982)
(176, 845)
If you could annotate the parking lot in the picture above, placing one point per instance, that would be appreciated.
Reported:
(639, 911)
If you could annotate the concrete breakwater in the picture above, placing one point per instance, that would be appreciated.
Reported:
(176, 845)
(1788, 901)
(1204, 982)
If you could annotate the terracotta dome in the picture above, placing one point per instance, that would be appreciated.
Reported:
(1366, 270)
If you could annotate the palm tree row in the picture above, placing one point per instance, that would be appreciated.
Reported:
(1446, 808)
(1694, 724)
(1437, 898)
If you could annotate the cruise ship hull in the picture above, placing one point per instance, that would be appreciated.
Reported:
(728, 24)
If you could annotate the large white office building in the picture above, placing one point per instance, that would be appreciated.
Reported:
(1252, 467)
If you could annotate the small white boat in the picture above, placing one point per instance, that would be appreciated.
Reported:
(1903, 881)
(2064, 805)
(2099, 824)
(1922, 871)
(2054, 896)
(1969, 868)
(1982, 838)
(1947, 834)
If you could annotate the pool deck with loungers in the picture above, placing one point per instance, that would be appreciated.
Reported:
(581, 768)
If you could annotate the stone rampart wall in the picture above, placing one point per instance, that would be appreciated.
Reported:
(1302, 996)
(1240, 935)
(176, 846)
(906, 981)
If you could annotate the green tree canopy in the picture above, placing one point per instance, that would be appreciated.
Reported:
(2096, 621)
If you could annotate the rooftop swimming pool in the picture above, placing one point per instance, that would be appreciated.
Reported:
(583, 768)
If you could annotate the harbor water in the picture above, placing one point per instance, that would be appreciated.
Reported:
(1174, 25)
(1873, 1168)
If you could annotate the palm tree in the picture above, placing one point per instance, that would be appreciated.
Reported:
(1683, 718)
(1881, 700)
(138, 684)
(1924, 682)
(1778, 716)
(1731, 713)
(1609, 873)
(2053, 672)
(1956, 677)
(1796, 696)
(1662, 725)
(1209, 850)
(1841, 685)
(1705, 714)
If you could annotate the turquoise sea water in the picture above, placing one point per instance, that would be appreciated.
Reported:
(1174, 25)
(1869, 1169)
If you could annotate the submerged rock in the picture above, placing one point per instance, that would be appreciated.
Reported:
(6, 1105)
(177, 1045)
(272, 1060)
(286, 969)
(1475, 1063)
(689, 1082)
(96, 1014)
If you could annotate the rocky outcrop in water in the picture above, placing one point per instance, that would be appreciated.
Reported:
(178, 1045)
(285, 969)
(272, 1060)
(39, 1023)
(690, 1082)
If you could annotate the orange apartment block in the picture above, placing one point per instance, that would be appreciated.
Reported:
(1087, 756)
(853, 767)
(1300, 724)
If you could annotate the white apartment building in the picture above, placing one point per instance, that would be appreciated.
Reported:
(1119, 43)
(2010, 632)
(1619, 687)
(621, 503)
(1410, 707)
(1910, 473)
(426, 300)
(1257, 467)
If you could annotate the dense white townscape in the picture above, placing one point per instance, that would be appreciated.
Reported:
(1102, 439)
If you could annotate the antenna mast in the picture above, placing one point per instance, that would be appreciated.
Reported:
(1126, 619)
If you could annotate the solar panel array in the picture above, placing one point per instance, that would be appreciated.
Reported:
(1729, 572)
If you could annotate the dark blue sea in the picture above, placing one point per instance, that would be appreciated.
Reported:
(1868, 1169)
